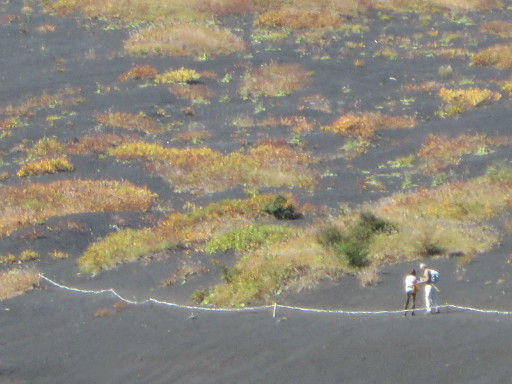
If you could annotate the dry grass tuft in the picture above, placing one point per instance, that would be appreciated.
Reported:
(28, 204)
(46, 147)
(498, 27)
(181, 275)
(184, 39)
(193, 136)
(275, 79)
(66, 97)
(368, 277)
(438, 152)
(499, 55)
(363, 126)
(198, 93)
(130, 121)
(291, 18)
(139, 72)
(438, 6)
(98, 144)
(15, 282)
(203, 170)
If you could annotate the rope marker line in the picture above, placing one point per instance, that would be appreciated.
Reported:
(254, 309)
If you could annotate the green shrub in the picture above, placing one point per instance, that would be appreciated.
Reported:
(355, 251)
(329, 237)
(353, 243)
(280, 207)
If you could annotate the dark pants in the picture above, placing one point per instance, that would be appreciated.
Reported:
(410, 296)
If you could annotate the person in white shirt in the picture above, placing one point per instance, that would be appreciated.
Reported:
(430, 290)
(411, 287)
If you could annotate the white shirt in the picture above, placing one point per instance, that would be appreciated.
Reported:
(410, 281)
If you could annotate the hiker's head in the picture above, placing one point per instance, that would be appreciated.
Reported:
(413, 272)
(423, 266)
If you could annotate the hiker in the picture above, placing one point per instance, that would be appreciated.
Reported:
(411, 286)
(428, 278)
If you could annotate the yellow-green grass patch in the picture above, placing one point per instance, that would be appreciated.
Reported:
(17, 281)
(180, 76)
(10, 123)
(123, 246)
(45, 166)
(447, 220)
(24, 256)
(191, 230)
(29, 203)
(46, 147)
(460, 100)
(295, 263)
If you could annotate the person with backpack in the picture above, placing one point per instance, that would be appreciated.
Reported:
(411, 287)
(428, 278)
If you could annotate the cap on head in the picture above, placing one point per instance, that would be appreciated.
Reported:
(423, 266)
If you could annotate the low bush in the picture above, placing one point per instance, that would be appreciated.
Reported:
(281, 208)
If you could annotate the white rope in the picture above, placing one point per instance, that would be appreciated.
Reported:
(252, 309)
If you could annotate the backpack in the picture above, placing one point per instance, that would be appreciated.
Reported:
(434, 276)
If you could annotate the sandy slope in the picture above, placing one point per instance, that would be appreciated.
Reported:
(53, 336)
